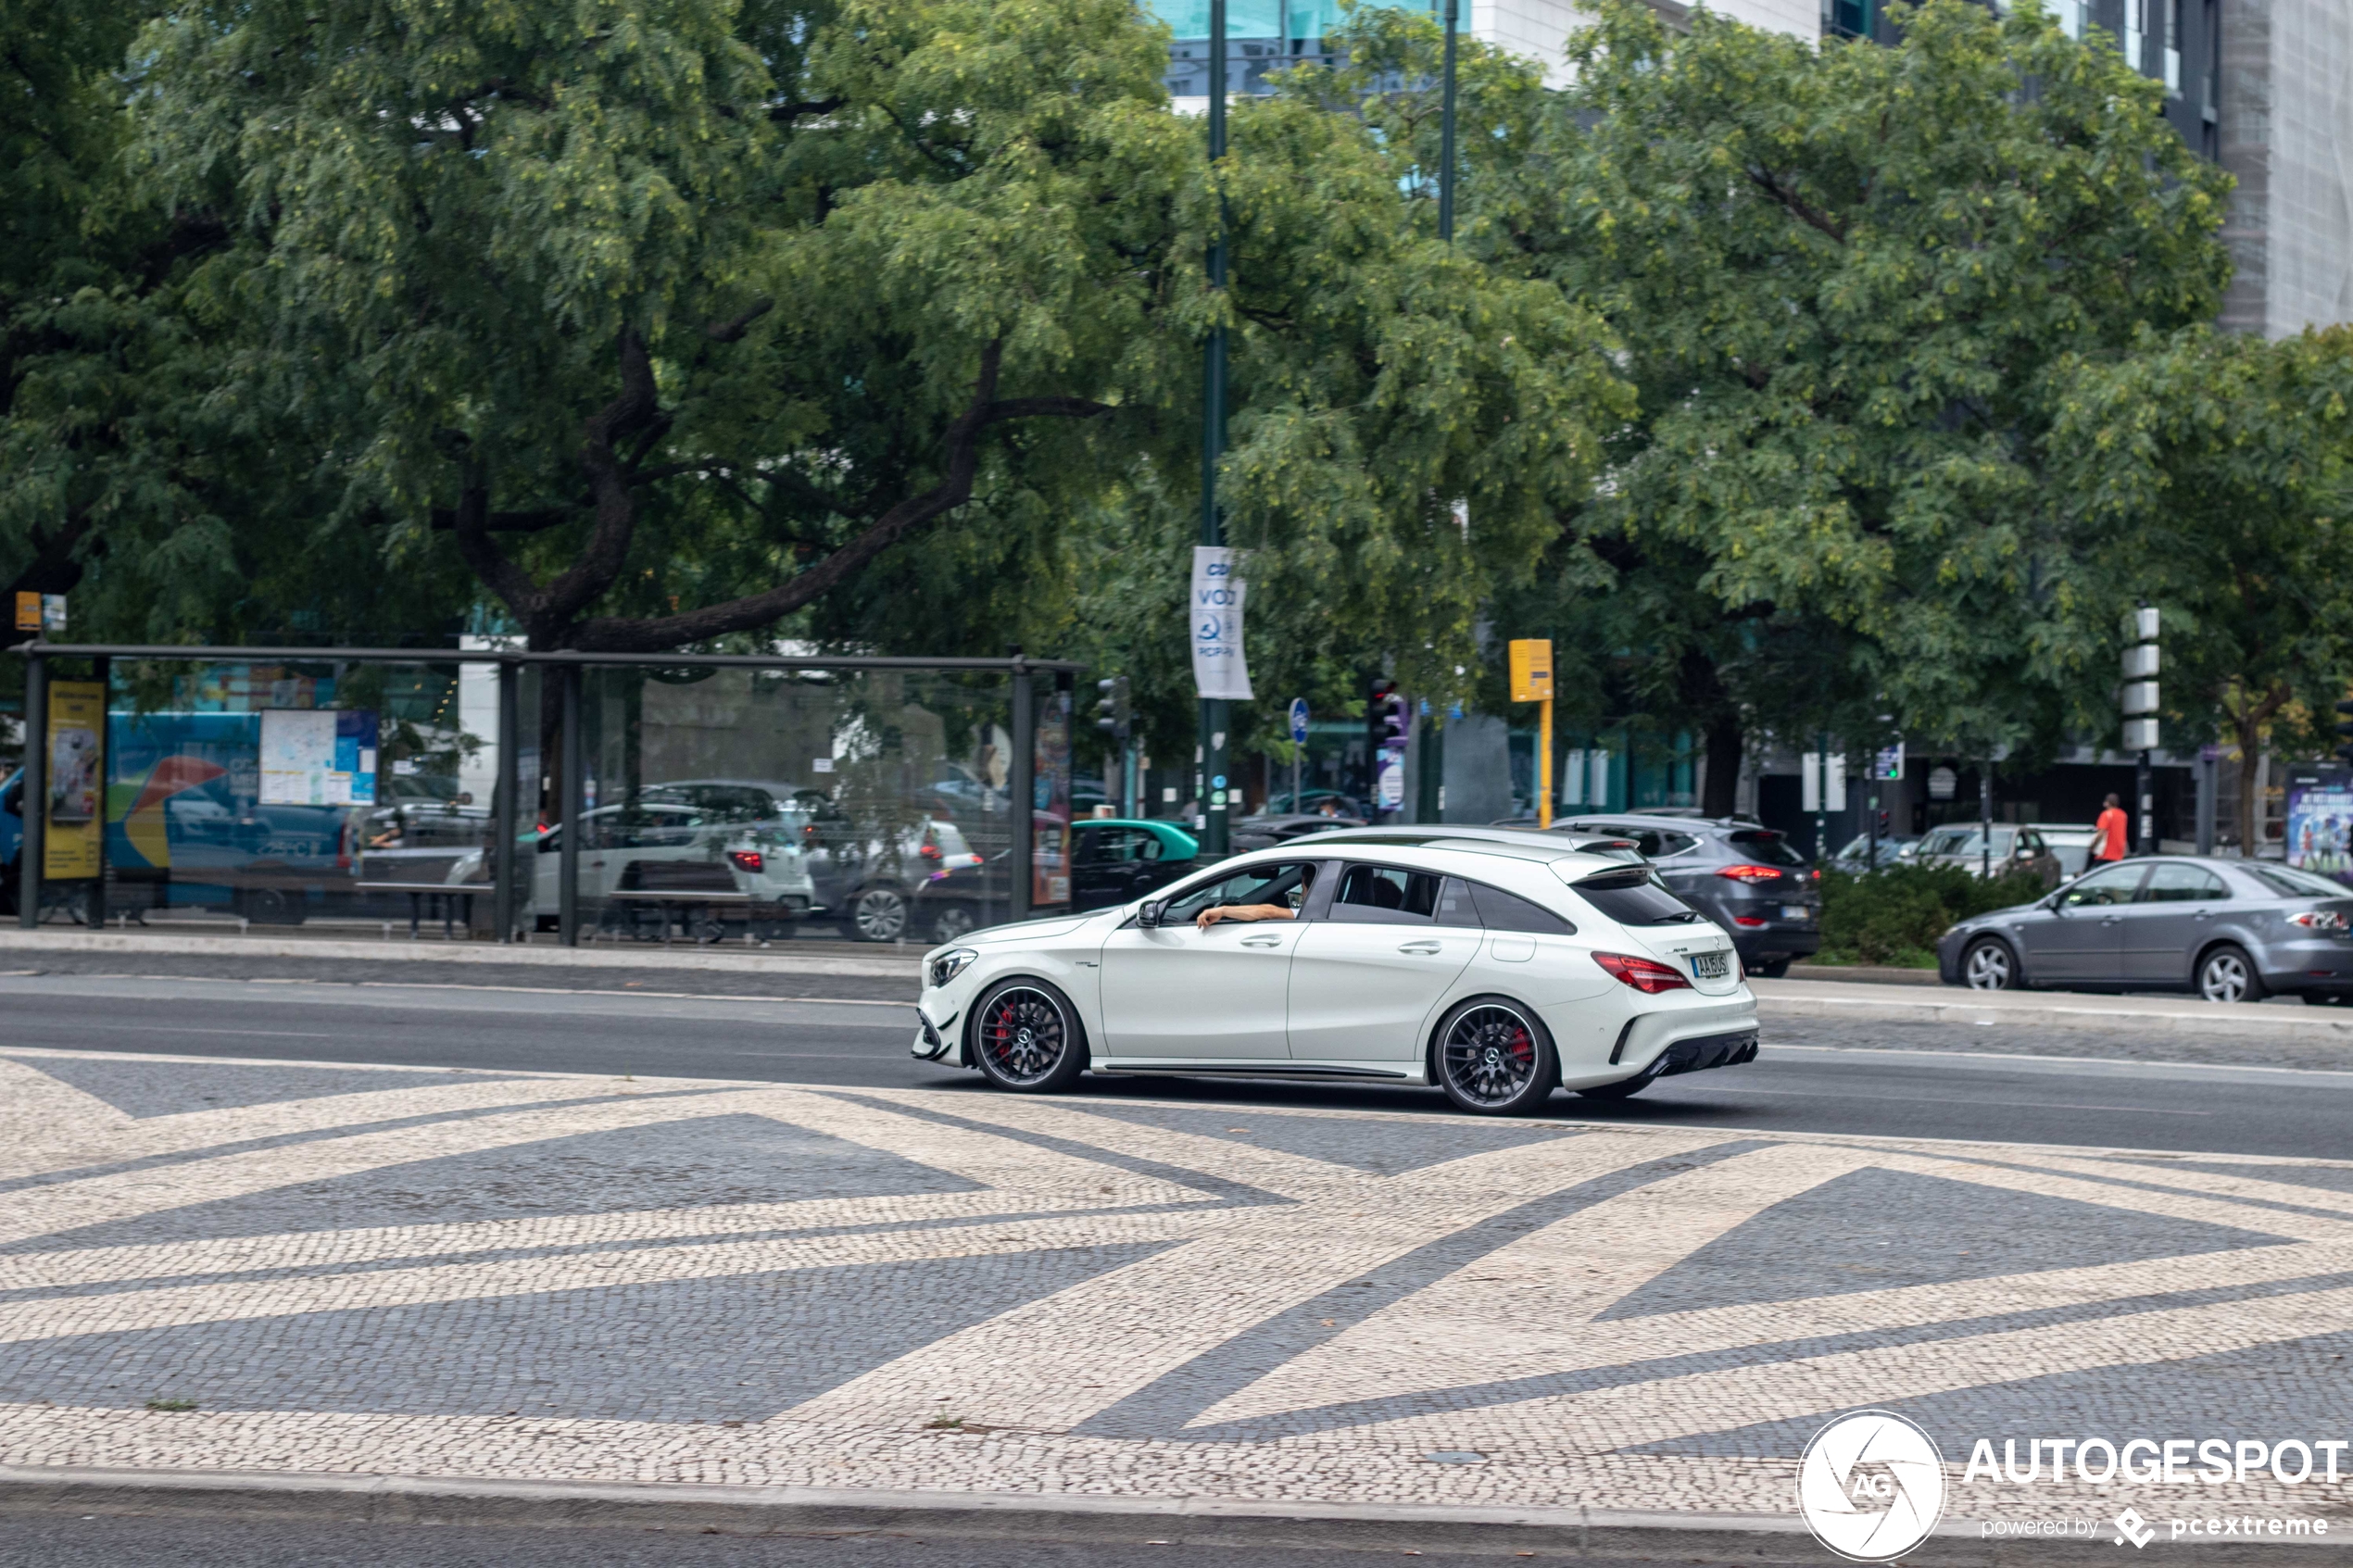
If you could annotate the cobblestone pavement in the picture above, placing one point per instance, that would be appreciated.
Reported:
(242, 1265)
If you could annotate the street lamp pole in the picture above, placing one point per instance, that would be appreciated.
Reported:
(1446, 132)
(1216, 713)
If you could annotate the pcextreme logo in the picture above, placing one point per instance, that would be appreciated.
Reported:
(1872, 1486)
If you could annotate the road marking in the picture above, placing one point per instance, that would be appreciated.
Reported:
(1943, 1100)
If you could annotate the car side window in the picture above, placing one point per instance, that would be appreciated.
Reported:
(1454, 904)
(2182, 884)
(1499, 910)
(1148, 845)
(1386, 896)
(1286, 884)
(1670, 845)
(2108, 886)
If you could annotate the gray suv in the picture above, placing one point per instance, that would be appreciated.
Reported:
(1740, 874)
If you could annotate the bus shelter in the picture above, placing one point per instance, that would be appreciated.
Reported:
(586, 795)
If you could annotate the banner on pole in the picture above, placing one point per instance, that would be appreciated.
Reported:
(1215, 609)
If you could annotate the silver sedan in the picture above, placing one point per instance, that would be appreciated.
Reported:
(2233, 931)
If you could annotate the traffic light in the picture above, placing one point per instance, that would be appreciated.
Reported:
(2345, 731)
(1116, 720)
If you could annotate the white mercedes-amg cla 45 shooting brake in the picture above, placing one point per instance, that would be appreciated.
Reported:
(1496, 965)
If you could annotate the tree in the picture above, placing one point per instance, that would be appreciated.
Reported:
(2216, 474)
(679, 324)
(1846, 278)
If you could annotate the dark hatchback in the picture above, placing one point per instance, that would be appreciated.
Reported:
(1743, 876)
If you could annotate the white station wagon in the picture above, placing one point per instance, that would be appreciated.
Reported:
(1495, 964)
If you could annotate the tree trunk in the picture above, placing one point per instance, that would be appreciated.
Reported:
(2250, 742)
(1705, 700)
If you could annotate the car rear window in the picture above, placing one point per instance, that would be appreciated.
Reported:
(1765, 846)
(1632, 897)
(2290, 882)
(1499, 910)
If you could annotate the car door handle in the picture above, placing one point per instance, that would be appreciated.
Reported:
(2112, 920)
(1417, 947)
(1262, 941)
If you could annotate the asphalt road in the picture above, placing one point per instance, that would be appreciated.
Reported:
(159, 1542)
(1808, 1080)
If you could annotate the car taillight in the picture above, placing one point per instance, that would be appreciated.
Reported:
(930, 851)
(746, 860)
(1646, 975)
(1748, 920)
(1750, 873)
(2318, 920)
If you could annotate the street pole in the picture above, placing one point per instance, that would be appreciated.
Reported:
(506, 806)
(1544, 764)
(1446, 132)
(2143, 790)
(571, 795)
(32, 794)
(1216, 713)
(1985, 817)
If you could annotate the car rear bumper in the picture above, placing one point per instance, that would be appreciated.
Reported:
(1688, 1038)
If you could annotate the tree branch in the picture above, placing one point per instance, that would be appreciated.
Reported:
(961, 449)
(784, 114)
(600, 562)
(728, 331)
(1796, 205)
(445, 520)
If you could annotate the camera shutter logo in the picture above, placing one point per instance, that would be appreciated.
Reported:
(1872, 1486)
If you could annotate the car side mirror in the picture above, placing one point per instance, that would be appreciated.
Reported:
(1147, 913)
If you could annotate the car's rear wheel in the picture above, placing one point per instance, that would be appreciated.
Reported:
(1494, 1058)
(2227, 975)
(1989, 965)
(1026, 1039)
(878, 914)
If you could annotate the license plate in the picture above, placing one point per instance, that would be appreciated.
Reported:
(1796, 912)
(1711, 966)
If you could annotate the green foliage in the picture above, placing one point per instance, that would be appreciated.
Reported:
(1846, 278)
(1895, 916)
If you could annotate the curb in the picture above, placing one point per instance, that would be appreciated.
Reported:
(2208, 1019)
(610, 956)
(1192, 1521)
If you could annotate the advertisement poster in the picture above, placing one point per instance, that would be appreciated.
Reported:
(318, 757)
(1050, 849)
(77, 763)
(1215, 611)
(2319, 819)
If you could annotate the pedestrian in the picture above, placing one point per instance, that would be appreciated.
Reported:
(2113, 829)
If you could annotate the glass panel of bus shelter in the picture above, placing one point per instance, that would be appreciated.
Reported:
(303, 793)
(756, 804)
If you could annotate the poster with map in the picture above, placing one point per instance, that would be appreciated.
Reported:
(318, 756)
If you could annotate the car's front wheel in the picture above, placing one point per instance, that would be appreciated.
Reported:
(878, 914)
(2227, 975)
(1026, 1039)
(953, 923)
(1989, 965)
(1495, 1058)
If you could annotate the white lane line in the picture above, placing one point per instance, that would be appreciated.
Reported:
(2036, 1062)
(1944, 1100)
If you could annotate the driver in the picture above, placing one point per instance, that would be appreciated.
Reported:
(1296, 892)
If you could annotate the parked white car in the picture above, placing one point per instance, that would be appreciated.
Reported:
(1495, 968)
(765, 866)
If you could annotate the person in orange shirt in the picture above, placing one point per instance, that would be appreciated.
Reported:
(2114, 829)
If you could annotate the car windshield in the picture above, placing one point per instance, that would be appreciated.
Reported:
(1632, 897)
(1966, 841)
(2290, 882)
(1765, 846)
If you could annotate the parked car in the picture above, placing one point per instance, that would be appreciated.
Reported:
(1745, 878)
(1495, 972)
(1114, 860)
(426, 811)
(1312, 801)
(629, 848)
(2071, 842)
(1854, 857)
(2233, 931)
(2014, 849)
(1267, 829)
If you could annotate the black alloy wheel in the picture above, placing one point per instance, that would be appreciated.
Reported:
(1495, 1058)
(1026, 1037)
(1989, 965)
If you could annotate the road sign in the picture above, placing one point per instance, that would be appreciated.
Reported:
(1393, 781)
(1532, 669)
(1888, 763)
(1299, 720)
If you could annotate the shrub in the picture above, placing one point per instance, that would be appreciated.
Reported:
(1897, 914)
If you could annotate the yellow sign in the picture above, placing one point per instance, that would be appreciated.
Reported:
(28, 612)
(77, 779)
(1532, 670)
